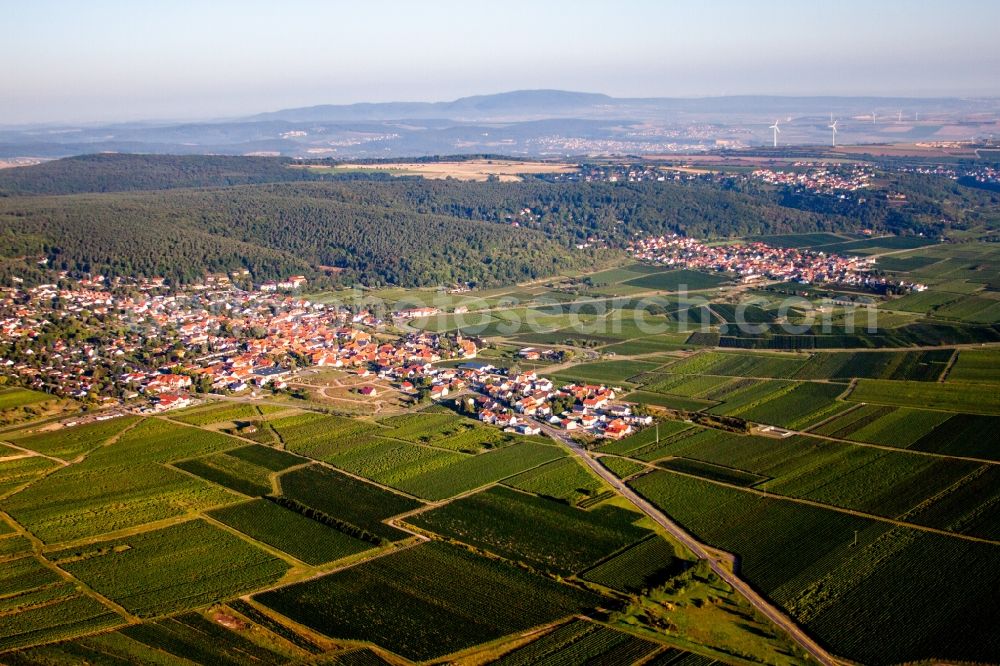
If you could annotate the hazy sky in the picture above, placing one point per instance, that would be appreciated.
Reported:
(78, 60)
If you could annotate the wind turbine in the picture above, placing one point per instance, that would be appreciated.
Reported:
(776, 132)
(899, 118)
(874, 118)
(833, 126)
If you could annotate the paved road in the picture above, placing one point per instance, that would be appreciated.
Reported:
(675, 530)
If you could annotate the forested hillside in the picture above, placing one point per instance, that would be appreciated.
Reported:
(273, 232)
(208, 213)
(119, 172)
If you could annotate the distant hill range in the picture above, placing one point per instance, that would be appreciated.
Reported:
(536, 123)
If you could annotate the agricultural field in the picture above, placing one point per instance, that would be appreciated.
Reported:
(474, 170)
(691, 386)
(18, 471)
(56, 619)
(85, 500)
(712, 472)
(971, 506)
(319, 435)
(581, 642)
(802, 557)
(470, 472)
(265, 621)
(206, 564)
(878, 424)
(445, 430)
(607, 372)
(662, 431)
(919, 366)
(972, 308)
(408, 601)
(876, 481)
(351, 500)
(976, 366)
(230, 472)
(792, 406)
(949, 396)
(224, 413)
(12, 398)
(769, 366)
(678, 280)
(924, 302)
(667, 342)
(963, 435)
(184, 639)
(69, 442)
(290, 532)
(539, 532)
(622, 467)
(564, 479)
(267, 457)
(391, 462)
(644, 565)
(670, 401)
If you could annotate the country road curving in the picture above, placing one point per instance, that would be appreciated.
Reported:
(699, 550)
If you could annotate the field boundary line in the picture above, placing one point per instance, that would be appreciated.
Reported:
(832, 507)
(951, 364)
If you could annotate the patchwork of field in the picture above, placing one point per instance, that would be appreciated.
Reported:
(37, 605)
(679, 280)
(247, 470)
(877, 481)
(122, 486)
(409, 601)
(181, 640)
(949, 396)
(15, 472)
(644, 565)
(206, 564)
(353, 501)
(317, 435)
(791, 405)
(581, 642)
(472, 472)
(520, 527)
(224, 413)
(607, 372)
(976, 366)
(903, 365)
(564, 479)
(940, 588)
(68, 443)
(304, 538)
(875, 525)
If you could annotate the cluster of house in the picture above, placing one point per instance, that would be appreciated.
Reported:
(982, 173)
(212, 336)
(520, 401)
(756, 261)
(821, 180)
(286, 284)
(620, 173)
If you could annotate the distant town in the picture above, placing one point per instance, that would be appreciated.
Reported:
(758, 261)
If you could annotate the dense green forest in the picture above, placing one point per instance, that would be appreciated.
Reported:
(273, 232)
(118, 172)
(224, 213)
